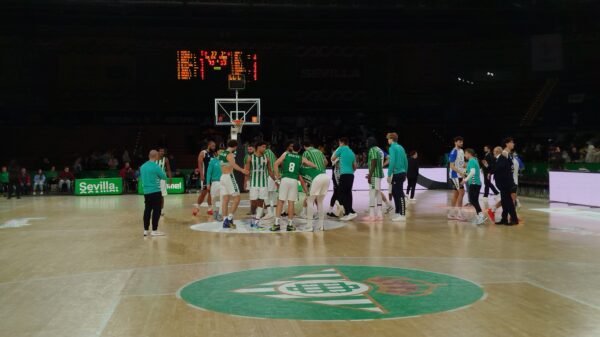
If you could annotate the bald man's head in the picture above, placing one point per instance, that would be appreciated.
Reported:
(497, 150)
(153, 155)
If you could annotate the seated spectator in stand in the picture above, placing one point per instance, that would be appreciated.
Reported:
(591, 150)
(25, 181)
(39, 180)
(125, 157)
(194, 179)
(4, 180)
(65, 178)
(556, 161)
(52, 176)
(113, 163)
(129, 179)
(77, 167)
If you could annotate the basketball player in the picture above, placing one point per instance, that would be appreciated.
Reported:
(315, 183)
(229, 187)
(249, 152)
(213, 183)
(287, 179)
(316, 157)
(457, 172)
(271, 201)
(204, 159)
(163, 163)
(375, 163)
(260, 171)
(473, 181)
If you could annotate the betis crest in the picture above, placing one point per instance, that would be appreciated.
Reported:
(331, 293)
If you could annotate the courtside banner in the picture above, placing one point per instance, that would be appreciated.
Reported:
(100, 186)
(177, 187)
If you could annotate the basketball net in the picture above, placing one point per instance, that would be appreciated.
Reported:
(236, 128)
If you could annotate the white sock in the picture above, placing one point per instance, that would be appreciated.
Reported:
(259, 212)
(371, 211)
(230, 216)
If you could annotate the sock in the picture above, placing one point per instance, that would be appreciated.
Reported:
(379, 210)
(230, 216)
(303, 210)
(259, 212)
(371, 211)
(277, 221)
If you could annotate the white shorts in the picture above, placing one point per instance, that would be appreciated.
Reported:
(375, 184)
(215, 189)
(259, 193)
(229, 186)
(456, 182)
(288, 189)
(319, 185)
(271, 186)
(163, 188)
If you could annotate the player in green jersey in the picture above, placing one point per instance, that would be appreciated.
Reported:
(229, 187)
(315, 184)
(287, 171)
(375, 164)
(271, 200)
(473, 181)
(260, 170)
(316, 157)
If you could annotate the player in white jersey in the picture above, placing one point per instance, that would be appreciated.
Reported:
(260, 170)
(163, 163)
(457, 173)
(271, 201)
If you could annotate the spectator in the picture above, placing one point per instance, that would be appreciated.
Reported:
(65, 178)
(129, 178)
(589, 157)
(13, 179)
(574, 154)
(113, 163)
(195, 179)
(52, 176)
(125, 157)
(46, 164)
(39, 180)
(24, 181)
(4, 180)
(556, 161)
(77, 167)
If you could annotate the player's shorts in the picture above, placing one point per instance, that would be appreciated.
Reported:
(375, 184)
(288, 189)
(215, 189)
(271, 186)
(259, 193)
(319, 185)
(514, 188)
(229, 186)
(457, 183)
(163, 188)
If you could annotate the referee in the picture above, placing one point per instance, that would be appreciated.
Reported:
(152, 175)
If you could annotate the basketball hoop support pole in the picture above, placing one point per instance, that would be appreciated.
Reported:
(235, 130)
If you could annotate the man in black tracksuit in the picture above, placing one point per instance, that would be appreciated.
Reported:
(503, 172)
(488, 169)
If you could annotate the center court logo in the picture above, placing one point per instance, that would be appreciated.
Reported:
(331, 293)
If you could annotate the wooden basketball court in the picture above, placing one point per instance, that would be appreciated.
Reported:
(79, 266)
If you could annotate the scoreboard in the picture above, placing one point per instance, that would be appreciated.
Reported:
(216, 64)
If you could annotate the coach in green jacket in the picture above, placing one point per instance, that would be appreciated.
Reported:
(151, 175)
(397, 174)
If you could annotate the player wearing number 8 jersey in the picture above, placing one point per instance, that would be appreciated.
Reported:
(260, 170)
(287, 178)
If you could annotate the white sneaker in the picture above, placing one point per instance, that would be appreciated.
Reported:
(42, 193)
(268, 216)
(321, 227)
(146, 233)
(302, 215)
(157, 233)
(399, 218)
(352, 216)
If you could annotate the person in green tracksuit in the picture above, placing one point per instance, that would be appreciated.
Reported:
(473, 181)
(287, 179)
(397, 174)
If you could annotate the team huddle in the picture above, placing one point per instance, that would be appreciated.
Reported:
(274, 182)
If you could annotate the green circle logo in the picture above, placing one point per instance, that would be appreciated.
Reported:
(331, 293)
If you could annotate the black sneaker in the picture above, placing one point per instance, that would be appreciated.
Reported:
(275, 228)
(331, 215)
(291, 228)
